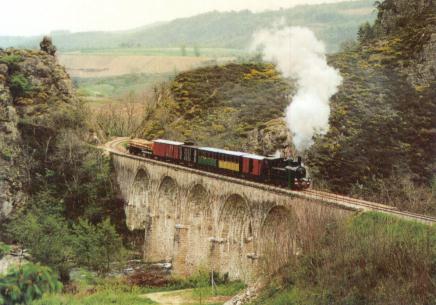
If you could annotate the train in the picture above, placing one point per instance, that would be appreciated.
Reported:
(288, 173)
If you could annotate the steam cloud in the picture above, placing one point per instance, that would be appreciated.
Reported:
(300, 55)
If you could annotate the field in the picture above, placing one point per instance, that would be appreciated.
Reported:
(188, 51)
(122, 61)
(102, 74)
(115, 65)
(103, 88)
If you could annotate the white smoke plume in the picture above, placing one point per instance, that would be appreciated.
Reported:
(301, 56)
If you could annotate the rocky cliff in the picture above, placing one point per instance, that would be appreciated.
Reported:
(414, 22)
(382, 121)
(33, 87)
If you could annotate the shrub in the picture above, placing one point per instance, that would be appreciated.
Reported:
(10, 59)
(47, 237)
(19, 84)
(4, 249)
(97, 246)
(27, 283)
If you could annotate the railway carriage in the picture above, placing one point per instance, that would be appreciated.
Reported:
(167, 150)
(272, 170)
(220, 159)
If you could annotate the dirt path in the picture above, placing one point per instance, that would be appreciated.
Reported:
(180, 297)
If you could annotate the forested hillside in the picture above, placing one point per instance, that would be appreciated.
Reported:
(382, 134)
(381, 143)
(54, 188)
(333, 23)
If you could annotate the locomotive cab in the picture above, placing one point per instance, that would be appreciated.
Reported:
(296, 173)
(290, 173)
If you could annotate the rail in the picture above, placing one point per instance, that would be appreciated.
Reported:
(345, 202)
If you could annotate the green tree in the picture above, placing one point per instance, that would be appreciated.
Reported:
(85, 244)
(365, 33)
(48, 239)
(110, 244)
(96, 246)
(27, 283)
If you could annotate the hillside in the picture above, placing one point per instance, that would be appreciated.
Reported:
(381, 142)
(219, 105)
(55, 188)
(34, 93)
(333, 23)
(382, 128)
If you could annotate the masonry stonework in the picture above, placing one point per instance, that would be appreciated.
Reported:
(196, 220)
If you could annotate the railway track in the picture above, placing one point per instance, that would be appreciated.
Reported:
(354, 203)
(372, 206)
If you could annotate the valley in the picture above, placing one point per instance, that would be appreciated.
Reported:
(350, 87)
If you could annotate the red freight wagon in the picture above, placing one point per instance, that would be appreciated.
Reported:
(167, 149)
(252, 164)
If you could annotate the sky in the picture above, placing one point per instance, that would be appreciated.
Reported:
(33, 17)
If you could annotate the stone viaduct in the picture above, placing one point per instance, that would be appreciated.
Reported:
(194, 219)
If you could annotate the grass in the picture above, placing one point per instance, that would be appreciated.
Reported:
(279, 297)
(229, 289)
(371, 258)
(109, 87)
(100, 298)
(90, 289)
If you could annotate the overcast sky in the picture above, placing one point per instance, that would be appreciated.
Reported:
(30, 17)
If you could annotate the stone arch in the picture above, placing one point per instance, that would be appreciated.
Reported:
(139, 200)
(164, 221)
(198, 202)
(277, 238)
(196, 227)
(140, 188)
(235, 216)
(235, 234)
(168, 187)
(168, 193)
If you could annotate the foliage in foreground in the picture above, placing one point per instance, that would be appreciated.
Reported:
(371, 259)
(52, 241)
(26, 283)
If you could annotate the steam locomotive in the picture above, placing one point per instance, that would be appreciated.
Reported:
(272, 170)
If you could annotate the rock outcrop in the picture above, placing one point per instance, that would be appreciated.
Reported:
(32, 86)
(415, 21)
(270, 138)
